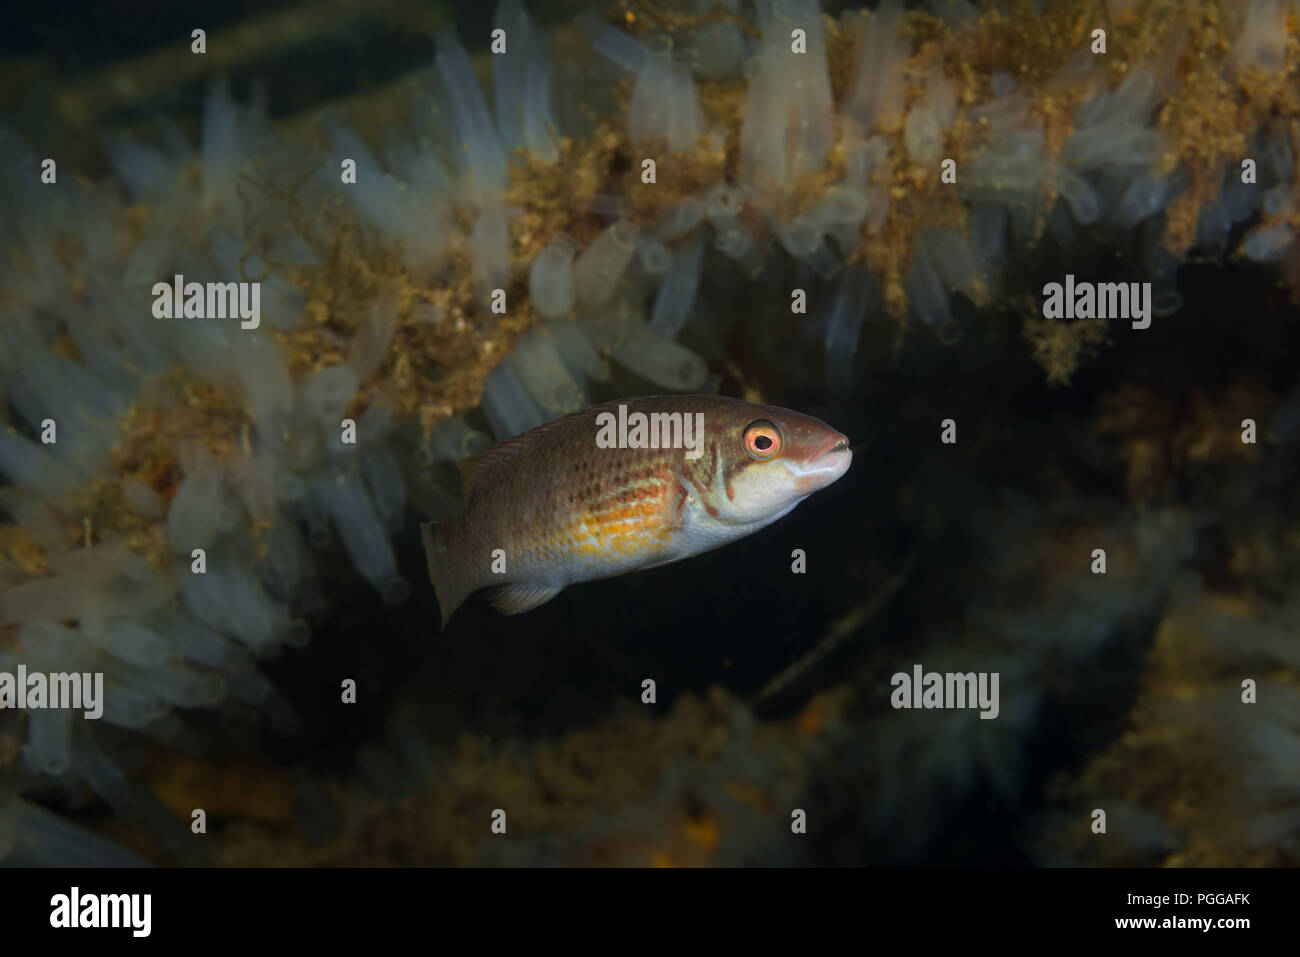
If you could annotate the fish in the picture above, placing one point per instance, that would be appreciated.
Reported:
(621, 487)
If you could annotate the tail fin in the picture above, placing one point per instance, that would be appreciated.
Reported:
(449, 586)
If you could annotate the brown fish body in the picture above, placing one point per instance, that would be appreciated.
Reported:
(624, 486)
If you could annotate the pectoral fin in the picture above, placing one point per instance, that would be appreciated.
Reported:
(524, 596)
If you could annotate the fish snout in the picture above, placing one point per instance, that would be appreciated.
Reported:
(829, 460)
(830, 450)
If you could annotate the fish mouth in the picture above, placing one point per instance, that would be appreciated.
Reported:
(839, 442)
(831, 460)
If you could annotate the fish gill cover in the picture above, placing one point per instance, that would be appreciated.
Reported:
(267, 277)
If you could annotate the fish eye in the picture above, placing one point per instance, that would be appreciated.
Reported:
(762, 440)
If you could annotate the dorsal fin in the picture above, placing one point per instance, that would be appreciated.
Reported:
(473, 470)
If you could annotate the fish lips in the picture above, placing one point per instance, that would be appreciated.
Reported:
(826, 464)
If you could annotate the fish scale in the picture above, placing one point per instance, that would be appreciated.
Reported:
(552, 507)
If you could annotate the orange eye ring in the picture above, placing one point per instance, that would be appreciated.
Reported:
(762, 441)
